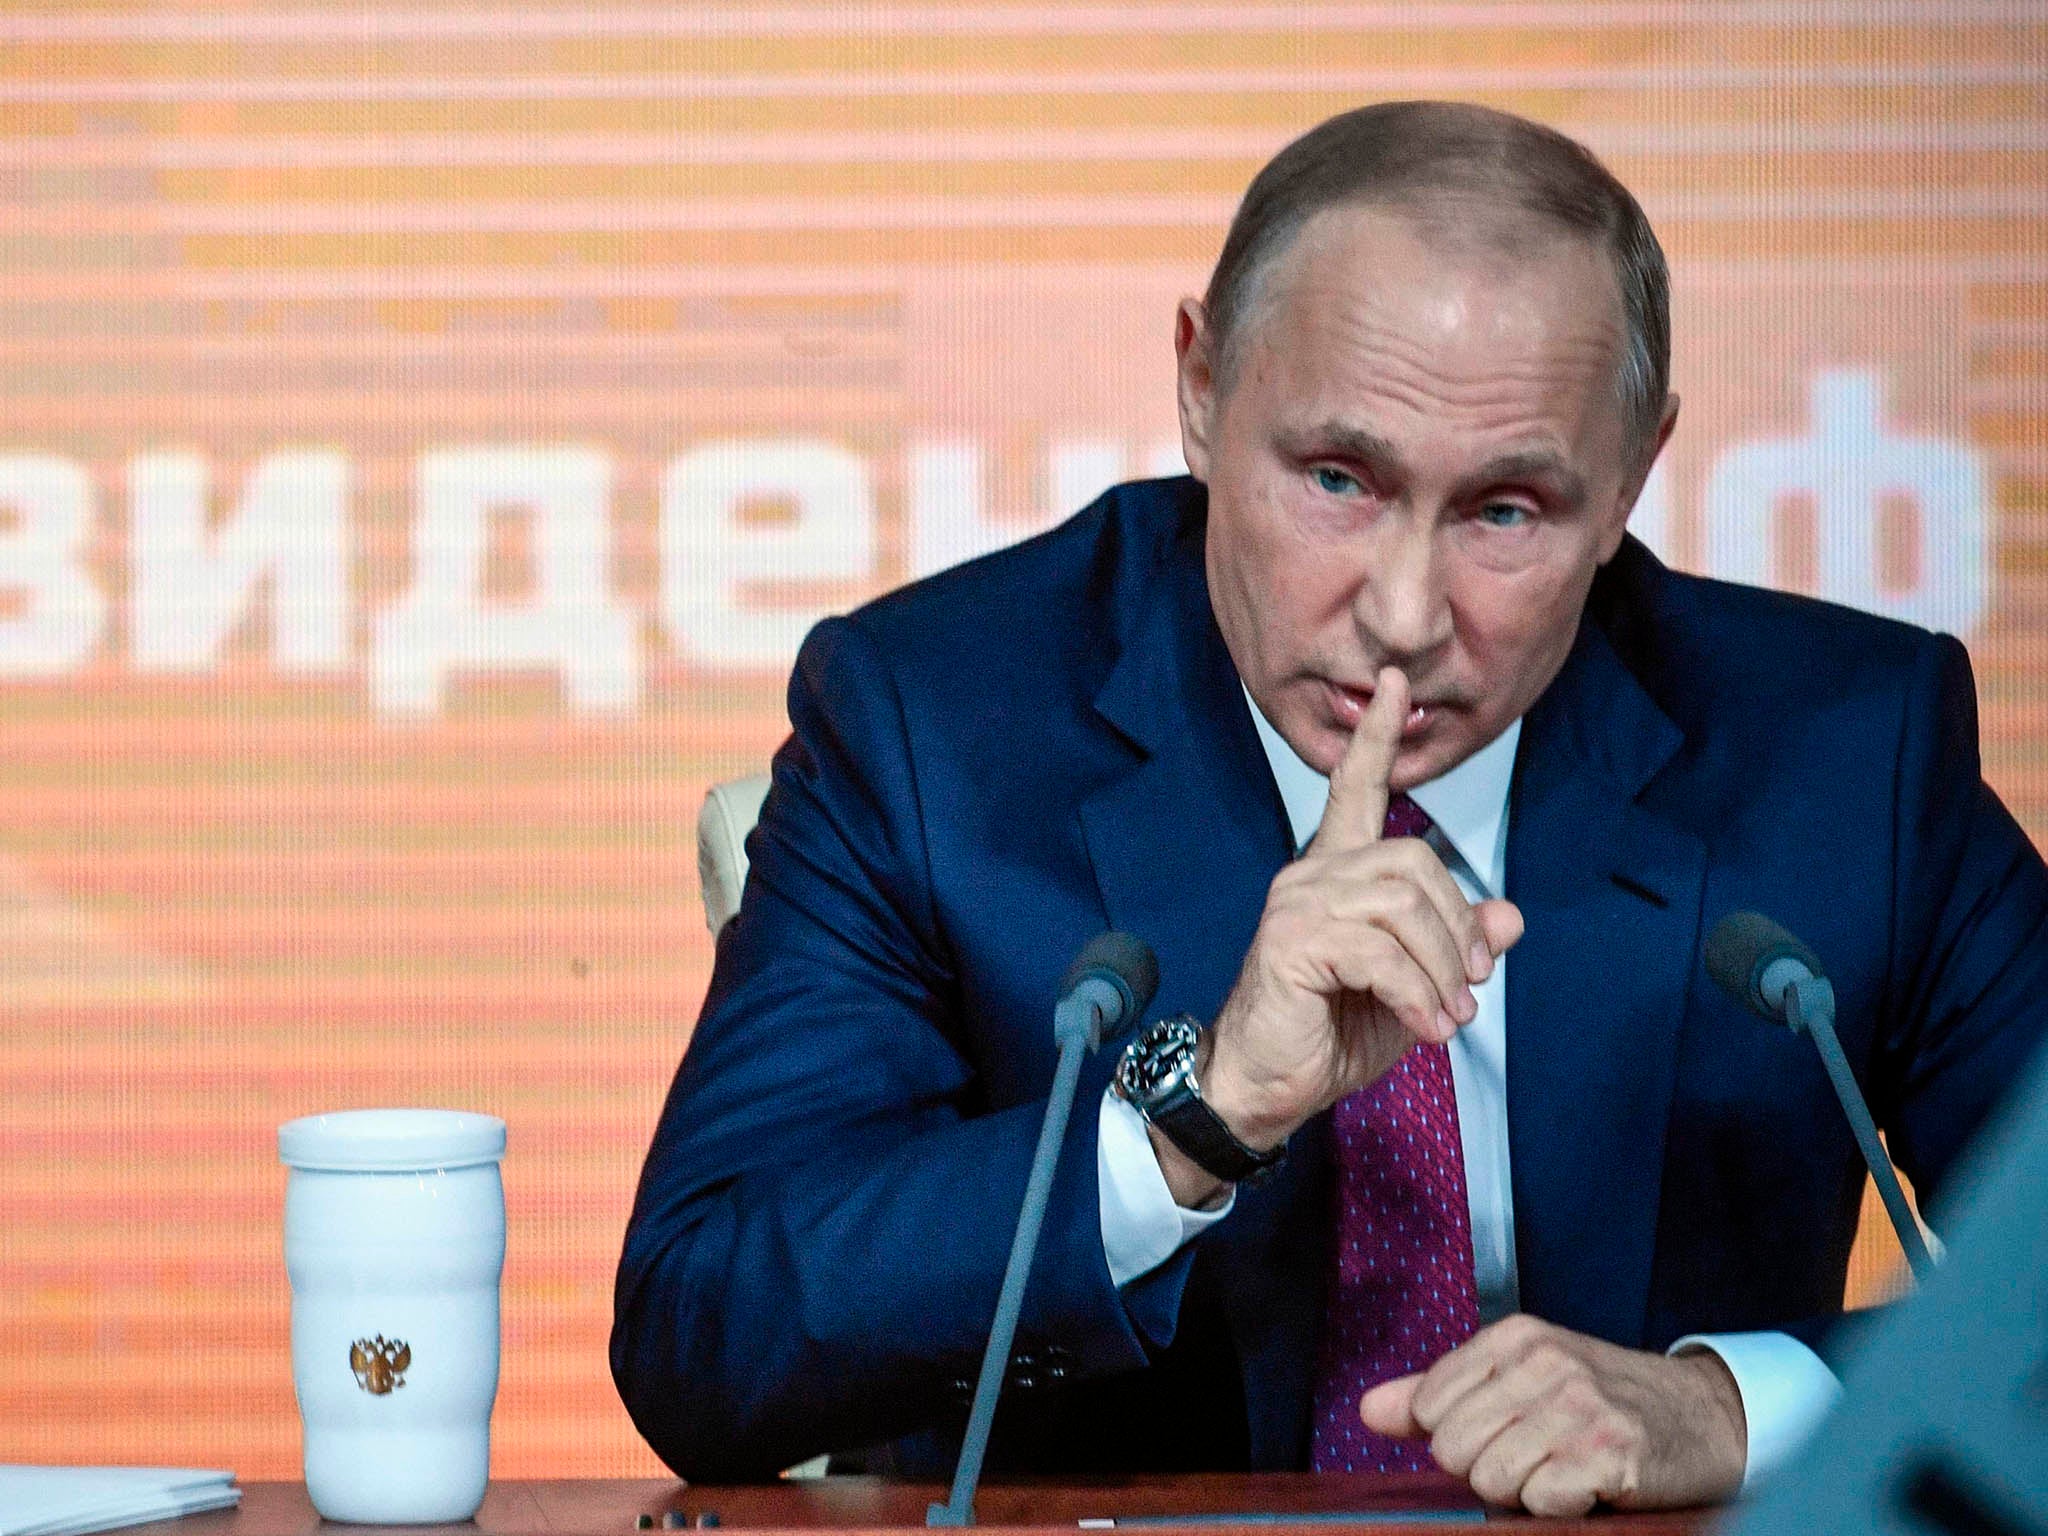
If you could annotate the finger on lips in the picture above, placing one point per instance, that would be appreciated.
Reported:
(1355, 816)
(1357, 809)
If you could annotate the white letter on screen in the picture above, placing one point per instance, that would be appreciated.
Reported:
(51, 613)
(192, 588)
(572, 624)
(1849, 464)
(823, 530)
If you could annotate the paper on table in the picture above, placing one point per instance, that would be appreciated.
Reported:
(71, 1501)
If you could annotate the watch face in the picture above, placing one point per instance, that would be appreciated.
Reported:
(1164, 1052)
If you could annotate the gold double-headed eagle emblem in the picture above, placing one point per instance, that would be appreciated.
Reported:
(380, 1363)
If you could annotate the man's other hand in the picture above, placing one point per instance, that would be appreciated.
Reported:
(1534, 1415)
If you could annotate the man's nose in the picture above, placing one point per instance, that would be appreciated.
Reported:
(1402, 603)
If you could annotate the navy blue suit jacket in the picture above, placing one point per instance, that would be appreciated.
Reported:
(989, 767)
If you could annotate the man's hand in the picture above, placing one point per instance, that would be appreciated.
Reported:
(1366, 946)
(1536, 1415)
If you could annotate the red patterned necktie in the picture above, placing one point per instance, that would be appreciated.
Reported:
(1401, 1289)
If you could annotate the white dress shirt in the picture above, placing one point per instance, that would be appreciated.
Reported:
(1785, 1388)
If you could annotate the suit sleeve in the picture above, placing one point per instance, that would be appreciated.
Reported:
(1968, 992)
(823, 1219)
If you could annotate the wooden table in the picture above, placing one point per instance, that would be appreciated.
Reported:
(873, 1506)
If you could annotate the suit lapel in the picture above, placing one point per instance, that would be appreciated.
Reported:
(1596, 992)
(1185, 841)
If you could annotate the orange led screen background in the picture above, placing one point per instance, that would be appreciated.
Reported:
(428, 430)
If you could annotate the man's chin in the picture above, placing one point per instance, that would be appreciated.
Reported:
(1411, 769)
(1413, 764)
(1435, 755)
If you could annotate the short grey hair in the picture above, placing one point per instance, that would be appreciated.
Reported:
(1434, 158)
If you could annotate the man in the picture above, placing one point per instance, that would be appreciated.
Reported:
(1425, 784)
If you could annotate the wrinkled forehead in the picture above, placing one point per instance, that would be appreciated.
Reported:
(1467, 292)
(1375, 250)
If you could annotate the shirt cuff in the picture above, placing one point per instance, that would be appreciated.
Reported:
(1142, 1227)
(1785, 1390)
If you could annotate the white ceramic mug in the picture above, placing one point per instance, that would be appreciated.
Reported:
(394, 1238)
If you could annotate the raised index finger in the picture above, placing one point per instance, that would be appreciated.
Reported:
(1357, 812)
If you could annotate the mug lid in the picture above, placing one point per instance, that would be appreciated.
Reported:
(391, 1140)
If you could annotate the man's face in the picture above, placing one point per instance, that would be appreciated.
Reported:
(1419, 463)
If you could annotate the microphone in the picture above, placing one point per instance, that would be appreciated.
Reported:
(1754, 960)
(1110, 982)
(1768, 971)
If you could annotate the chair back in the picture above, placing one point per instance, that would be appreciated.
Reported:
(730, 811)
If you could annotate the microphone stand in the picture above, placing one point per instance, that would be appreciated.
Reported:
(1810, 1010)
(1077, 1026)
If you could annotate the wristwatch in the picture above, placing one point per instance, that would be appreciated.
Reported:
(1157, 1076)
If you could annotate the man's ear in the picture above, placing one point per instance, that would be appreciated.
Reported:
(1195, 387)
(1633, 488)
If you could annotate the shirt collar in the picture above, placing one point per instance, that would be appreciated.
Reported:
(1468, 803)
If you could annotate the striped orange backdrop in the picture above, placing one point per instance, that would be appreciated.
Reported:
(940, 238)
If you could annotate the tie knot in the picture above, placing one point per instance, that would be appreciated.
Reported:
(1405, 818)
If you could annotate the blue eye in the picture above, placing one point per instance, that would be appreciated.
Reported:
(1504, 514)
(1334, 481)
